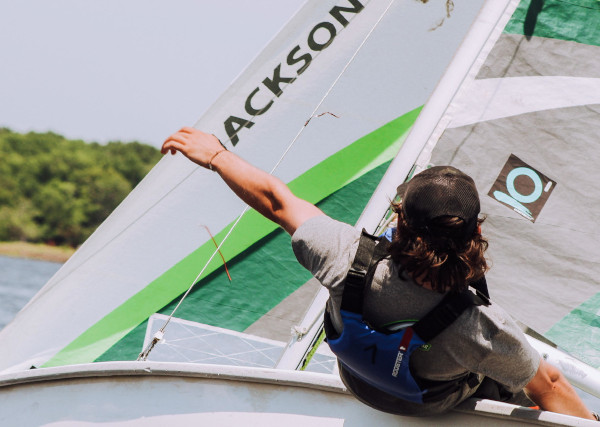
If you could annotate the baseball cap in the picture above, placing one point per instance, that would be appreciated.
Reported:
(436, 192)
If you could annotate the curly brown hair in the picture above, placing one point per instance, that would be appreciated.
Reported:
(434, 257)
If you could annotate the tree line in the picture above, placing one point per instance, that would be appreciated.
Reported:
(57, 191)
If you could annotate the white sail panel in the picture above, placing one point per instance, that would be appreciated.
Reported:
(162, 222)
(524, 124)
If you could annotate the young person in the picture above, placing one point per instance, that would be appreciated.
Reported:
(437, 250)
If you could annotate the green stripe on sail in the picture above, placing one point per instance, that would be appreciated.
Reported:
(324, 179)
(572, 20)
(579, 331)
(237, 305)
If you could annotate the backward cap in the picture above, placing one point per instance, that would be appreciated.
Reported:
(440, 191)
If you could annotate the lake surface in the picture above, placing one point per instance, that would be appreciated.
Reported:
(20, 279)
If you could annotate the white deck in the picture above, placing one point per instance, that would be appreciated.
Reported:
(159, 394)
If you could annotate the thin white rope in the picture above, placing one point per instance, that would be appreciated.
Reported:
(158, 336)
(314, 112)
(246, 208)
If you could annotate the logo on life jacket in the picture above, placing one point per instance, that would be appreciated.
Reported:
(402, 347)
(398, 363)
(522, 188)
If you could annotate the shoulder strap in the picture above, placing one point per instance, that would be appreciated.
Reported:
(442, 316)
(373, 249)
(450, 308)
(482, 289)
(370, 251)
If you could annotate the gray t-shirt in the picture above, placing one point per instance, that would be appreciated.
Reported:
(483, 340)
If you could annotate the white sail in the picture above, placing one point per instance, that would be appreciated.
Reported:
(489, 105)
(522, 85)
(153, 246)
(524, 124)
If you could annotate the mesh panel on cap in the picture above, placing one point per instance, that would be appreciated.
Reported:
(440, 191)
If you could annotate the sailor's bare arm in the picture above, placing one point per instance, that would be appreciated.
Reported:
(261, 191)
(552, 392)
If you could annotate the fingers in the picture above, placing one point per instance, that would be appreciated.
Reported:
(172, 146)
(188, 130)
(177, 141)
(182, 137)
(165, 147)
(194, 144)
(195, 133)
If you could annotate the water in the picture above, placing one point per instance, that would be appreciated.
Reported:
(20, 279)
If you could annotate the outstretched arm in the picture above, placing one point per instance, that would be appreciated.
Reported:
(552, 392)
(261, 191)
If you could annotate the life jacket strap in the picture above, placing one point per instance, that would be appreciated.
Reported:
(370, 251)
(399, 345)
(443, 315)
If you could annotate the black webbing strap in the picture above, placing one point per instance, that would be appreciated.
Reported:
(482, 289)
(370, 251)
(446, 312)
(449, 309)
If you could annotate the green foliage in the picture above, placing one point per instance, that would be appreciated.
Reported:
(58, 190)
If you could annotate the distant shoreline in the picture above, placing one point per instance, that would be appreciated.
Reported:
(36, 251)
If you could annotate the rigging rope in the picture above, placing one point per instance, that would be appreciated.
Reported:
(159, 335)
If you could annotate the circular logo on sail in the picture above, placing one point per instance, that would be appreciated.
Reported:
(522, 188)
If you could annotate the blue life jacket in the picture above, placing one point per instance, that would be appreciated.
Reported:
(381, 358)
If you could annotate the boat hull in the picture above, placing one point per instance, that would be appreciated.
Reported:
(154, 393)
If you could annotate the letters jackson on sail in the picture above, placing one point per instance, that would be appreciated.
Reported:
(272, 85)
